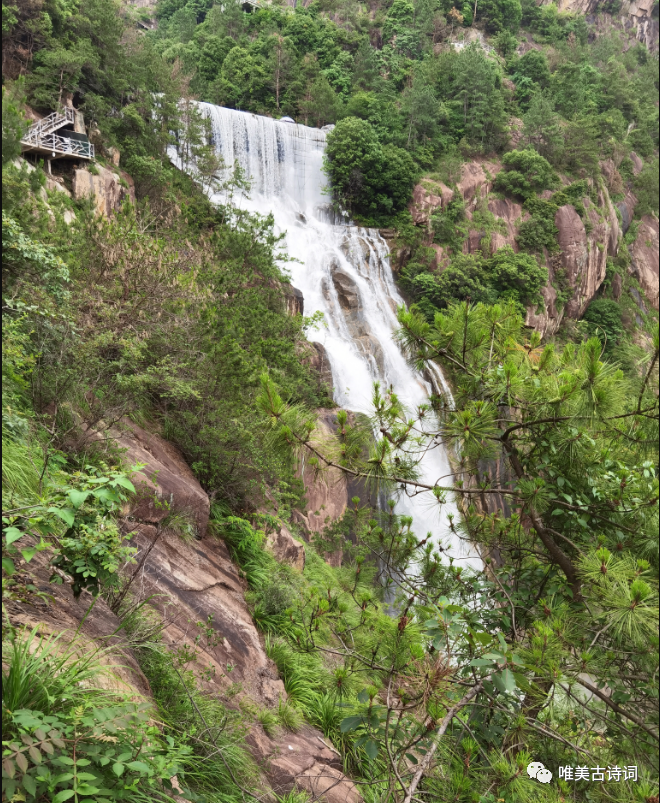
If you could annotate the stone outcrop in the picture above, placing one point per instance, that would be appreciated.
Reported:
(165, 485)
(199, 595)
(304, 759)
(427, 197)
(104, 188)
(285, 549)
(635, 18)
(326, 491)
(293, 299)
(477, 181)
(348, 300)
(512, 214)
(644, 258)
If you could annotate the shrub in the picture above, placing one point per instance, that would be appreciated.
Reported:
(526, 173)
(518, 274)
(538, 233)
(368, 178)
(603, 317)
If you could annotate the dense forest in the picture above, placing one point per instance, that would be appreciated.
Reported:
(175, 625)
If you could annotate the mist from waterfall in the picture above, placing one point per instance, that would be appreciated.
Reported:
(344, 272)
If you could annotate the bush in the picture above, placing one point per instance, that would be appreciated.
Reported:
(368, 178)
(65, 738)
(603, 317)
(518, 275)
(538, 233)
(526, 173)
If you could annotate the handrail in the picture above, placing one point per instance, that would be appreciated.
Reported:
(49, 124)
(63, 145)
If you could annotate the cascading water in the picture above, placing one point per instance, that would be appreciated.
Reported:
(344, 272)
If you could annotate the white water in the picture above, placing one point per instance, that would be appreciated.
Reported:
(283, 161)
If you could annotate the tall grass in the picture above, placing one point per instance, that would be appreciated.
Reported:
(21, 470)
(45, 673)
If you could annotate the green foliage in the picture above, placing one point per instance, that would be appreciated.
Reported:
(368, 178)
(501, 14)
(65, 739)
(604, 319)
(91, 547)
(646, 189)
(526, 173)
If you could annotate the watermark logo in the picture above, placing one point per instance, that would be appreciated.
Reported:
(537, 770)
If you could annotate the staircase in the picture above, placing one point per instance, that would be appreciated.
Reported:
(41, 137)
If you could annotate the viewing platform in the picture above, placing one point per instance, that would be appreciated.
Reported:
(54, 138)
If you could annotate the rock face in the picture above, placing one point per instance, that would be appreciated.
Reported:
(347, 303)
(192, 581)
(427, 197)
(285, 549)
(105, 189)
(635, 17)
(304, 759)
(327, 491)
(644, 254)
(512, 215)
(477, 180)
(166, 484)
(293, 298)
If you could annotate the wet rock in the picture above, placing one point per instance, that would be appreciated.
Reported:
(326, 491)
(321, 364)
(644, 258)
(294, 300)
(347, 291)
(512, 214)
(285, 549)
(105, 189)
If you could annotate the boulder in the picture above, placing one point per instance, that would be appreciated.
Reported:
(285, 549)
(304, 760)
(477, 180)
(347, 290)
(644, 258)
(165, 483)
(105, 188)
(427, 197)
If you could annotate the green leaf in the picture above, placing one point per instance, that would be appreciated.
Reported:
(118, 769)
(138, 766)
(28, 553)
(8, 566)
(12, 534)
(86, 789)
(350, 723)
(371, 749)
(480, 662)
(30, 785)
(78, 497)
(505, 681)
(65, 794)
(125, 483)
(67, 515)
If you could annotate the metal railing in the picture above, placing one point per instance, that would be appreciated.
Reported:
(64, 146)
(46, 126)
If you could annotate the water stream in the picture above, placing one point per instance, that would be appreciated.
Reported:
(344, 272)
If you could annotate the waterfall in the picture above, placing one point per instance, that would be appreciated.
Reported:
(344, 272)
